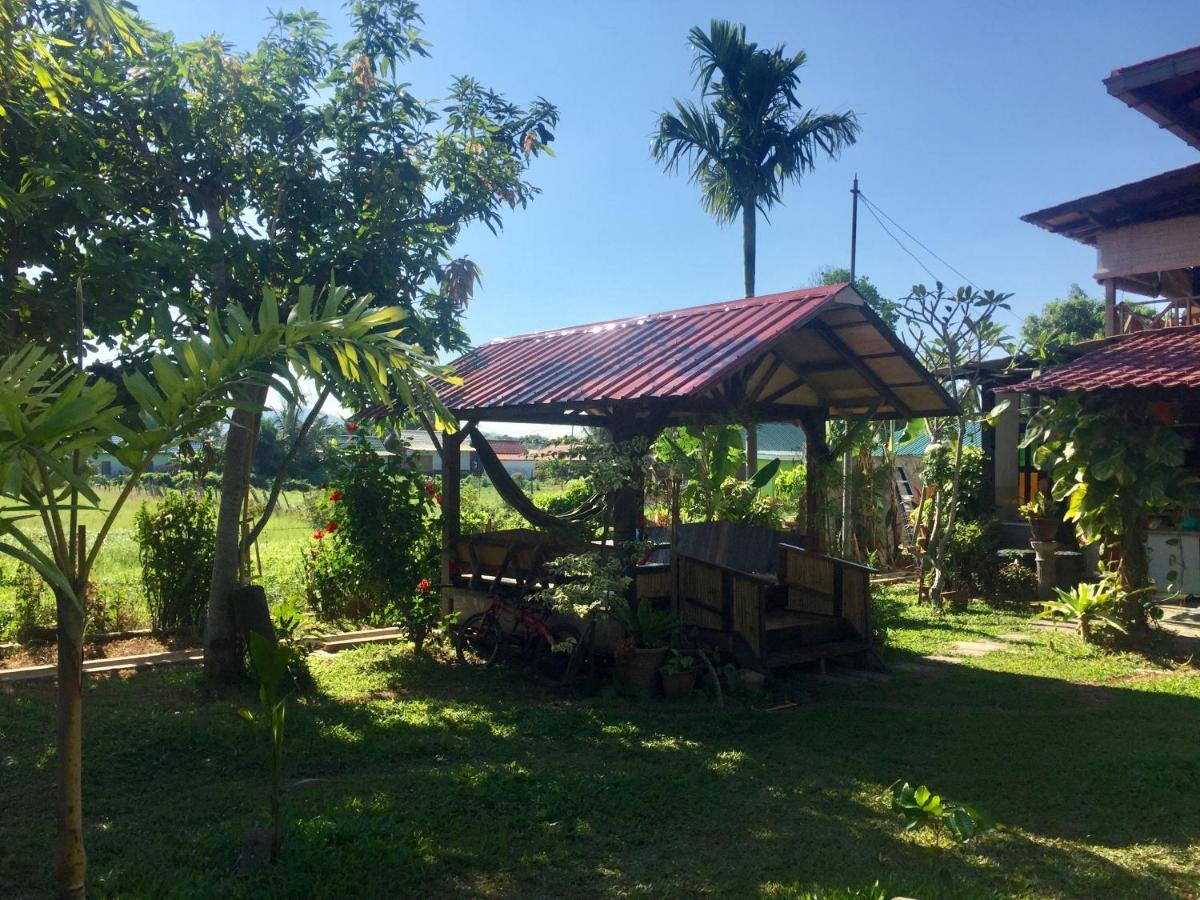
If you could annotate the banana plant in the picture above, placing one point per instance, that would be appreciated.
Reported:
(55, 416)
(706, 458)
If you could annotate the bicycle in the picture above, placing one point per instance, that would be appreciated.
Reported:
(546, 649)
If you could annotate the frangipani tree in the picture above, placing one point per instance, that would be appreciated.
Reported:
(953, 333)
(55, 416)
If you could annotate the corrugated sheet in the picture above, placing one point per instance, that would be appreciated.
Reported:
(1161, 359)
(920, 443)
(782, 438)
(670, 354)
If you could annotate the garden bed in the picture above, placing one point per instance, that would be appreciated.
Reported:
(21, 656)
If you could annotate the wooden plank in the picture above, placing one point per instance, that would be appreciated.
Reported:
(862, 368)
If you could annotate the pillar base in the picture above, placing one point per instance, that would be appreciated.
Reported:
(1046, 567)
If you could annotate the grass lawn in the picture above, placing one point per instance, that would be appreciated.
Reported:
(118, 573)
(413, 777)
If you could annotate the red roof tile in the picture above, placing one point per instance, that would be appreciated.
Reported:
(668, 354)
(1160, 359)
(508, 448)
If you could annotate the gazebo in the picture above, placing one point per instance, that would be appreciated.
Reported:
(802, 356)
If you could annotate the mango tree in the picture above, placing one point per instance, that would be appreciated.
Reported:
(55, 416)
(193, 173)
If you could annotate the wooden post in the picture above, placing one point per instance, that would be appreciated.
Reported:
(451, 510)
(816, 455)
(751, 450)
(1110, 308)
(629, 501)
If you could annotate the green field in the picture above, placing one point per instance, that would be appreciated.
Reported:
(413, 777)
(117, 577)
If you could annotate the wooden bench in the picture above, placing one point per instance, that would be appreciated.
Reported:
(516, 556)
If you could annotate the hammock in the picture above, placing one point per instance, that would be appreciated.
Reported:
(510, 492)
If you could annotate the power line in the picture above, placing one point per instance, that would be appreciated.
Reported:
(899, 243)
(874, 207)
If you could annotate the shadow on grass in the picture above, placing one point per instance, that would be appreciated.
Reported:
(410, 777)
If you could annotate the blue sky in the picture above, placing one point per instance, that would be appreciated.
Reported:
(972, 115)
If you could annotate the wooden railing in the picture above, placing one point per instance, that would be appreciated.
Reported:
(717, 598)
(826, 585)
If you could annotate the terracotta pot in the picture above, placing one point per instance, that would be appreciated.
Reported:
(679, 684)
(638, 668)
(1044, 528)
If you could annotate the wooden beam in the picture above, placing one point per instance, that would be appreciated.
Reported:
(1110, 307)
(862, 368)
(816, 452)
(776, 362)
(451, 511)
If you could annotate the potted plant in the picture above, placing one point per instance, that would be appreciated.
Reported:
(647, 635)
(679, 675)
(1043, 525)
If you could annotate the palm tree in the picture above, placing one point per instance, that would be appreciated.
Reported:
(749, 135)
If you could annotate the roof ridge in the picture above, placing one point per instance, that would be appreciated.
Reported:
(757, 300)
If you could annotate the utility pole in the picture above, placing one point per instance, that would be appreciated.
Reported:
(847, 506)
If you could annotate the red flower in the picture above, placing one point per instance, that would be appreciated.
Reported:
(438, 500)
(430, 488)
(352, 426)
(318, 534)
(423, 584)
(335, 496)
(330, 527)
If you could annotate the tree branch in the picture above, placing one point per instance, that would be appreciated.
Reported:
(277, 484)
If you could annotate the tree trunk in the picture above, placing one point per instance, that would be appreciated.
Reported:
(222, 651)
(749, 244)
(70, 860)
(1134, 571)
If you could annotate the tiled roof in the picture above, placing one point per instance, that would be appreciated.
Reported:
(1157, 360)
(506, 448)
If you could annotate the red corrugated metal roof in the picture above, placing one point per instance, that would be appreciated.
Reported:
(661, 355)
(1160, 359)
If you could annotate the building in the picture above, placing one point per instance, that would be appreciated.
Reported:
(1146, 235)
(425, 456)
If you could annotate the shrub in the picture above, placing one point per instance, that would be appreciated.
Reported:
(740, 501)
(109, 609)
(1016, 584)
(476, 514)
(887, 611)
(32, 606)
(175, 546)
(973, 501)
(574, 494)
(971, 561)
(376, 557)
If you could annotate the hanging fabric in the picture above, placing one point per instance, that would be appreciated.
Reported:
(512, 494)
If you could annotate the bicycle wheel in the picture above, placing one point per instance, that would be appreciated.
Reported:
(479, 640)
(552, 656)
